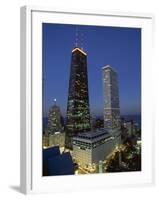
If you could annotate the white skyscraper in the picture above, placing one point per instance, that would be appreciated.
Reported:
(111, 98)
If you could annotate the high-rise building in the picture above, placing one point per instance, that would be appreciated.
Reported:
(54, 119)
(111, 98)
(78, 114)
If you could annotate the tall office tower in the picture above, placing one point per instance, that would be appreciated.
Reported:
(54, 119)
(111, 98)
(78, 114)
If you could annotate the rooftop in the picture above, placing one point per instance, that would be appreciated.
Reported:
(108, 67)
(60, 165)
(92, 135)
(78, 49)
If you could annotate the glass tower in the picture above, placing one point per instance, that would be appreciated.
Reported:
(111, 98)
(78, 114)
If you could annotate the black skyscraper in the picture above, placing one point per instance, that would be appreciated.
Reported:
(78, 114)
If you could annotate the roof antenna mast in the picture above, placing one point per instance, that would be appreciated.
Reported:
(76, 37)
(82, 41)
(54, 102)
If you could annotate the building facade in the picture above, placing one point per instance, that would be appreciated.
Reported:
(45, 141)
(78, 113)
(111, 98)
(54, 120)
(131, 128)
(57, 139)
(91, 147)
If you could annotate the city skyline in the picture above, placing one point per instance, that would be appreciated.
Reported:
(81, 143)
(121, 42)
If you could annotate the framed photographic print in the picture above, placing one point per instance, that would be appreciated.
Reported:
(86, 100)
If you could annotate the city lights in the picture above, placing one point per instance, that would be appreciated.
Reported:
(82, 142)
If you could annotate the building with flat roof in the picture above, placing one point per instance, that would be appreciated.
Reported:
(111, 98)
(92, 147)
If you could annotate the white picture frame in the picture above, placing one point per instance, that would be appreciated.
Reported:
(31, 100)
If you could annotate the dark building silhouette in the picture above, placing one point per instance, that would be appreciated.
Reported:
(48, 153)
(78, 114)
(61, 165)
(55, 163)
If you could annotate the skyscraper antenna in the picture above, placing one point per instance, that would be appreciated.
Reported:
(81, 40)
(76, 37)
(55, 102)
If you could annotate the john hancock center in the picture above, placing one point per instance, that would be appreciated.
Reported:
(76, 138)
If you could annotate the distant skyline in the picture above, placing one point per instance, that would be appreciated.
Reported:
(115, 46)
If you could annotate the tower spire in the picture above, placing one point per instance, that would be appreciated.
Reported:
(81, 40)
(54, 102)
(76, 37)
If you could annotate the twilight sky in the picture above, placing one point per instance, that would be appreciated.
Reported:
(118, 47)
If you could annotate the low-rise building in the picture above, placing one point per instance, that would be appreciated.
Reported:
(92, 147)
(56, 163)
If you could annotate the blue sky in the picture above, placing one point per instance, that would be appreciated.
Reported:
(116, 46)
